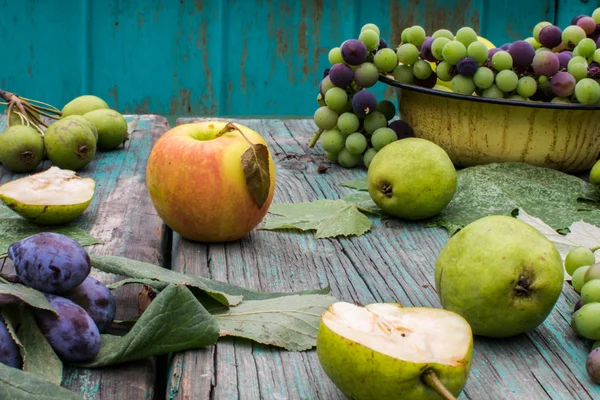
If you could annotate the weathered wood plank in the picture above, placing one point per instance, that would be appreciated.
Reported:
(393, 262)
(122, 216)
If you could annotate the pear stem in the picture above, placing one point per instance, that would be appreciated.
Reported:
(431, 379)
(593, 249)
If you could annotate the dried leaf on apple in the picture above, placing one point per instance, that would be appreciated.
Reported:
(255, 164)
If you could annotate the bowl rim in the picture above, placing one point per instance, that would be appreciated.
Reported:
(506, 102)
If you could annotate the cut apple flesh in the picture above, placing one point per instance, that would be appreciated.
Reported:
(415, 334)
(53, 187)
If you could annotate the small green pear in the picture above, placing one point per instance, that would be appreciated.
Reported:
(87, 122)
(83, 104)
(501, 274)
(112, 128)
(70, 144)
(21, 148)
(595, 174)
(386, 351)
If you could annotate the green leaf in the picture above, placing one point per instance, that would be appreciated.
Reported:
(255, 164)
(16, 384)
(501, 189)
(358, 184)
(30, 296)
(364, 202)
(290, 322)
(223, 292)
(14, 228)
(38, 356)
(159, 285)
(329, 218)
(174, 321)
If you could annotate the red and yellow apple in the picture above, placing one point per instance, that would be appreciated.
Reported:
(197, 185)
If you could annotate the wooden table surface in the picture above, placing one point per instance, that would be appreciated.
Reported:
(392, 262)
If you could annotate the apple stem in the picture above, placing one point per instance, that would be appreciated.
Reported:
(231, 127)
(315, 138)
(431, 379)
(593, 249)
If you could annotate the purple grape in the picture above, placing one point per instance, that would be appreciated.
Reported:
(354, 52)
(97, 300)
(598, 43)
(545, 63)
(592, 365)
(594, 70)
(402, 129)
(326, 72)
(563, 84)
(382, 44)
(428, 82)
(341, 75)
(522, 53)
(9, 351)
(73, 335)
(563, 58)
(505, 46)
(363, 103)
(587, 24)
(426, 50)
(595, 36)
(467, 66)
(577, 18)
(50, 262)
(550, 36)
(578, 305)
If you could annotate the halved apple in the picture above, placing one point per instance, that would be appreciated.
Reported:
(386, 351)
(52, 197)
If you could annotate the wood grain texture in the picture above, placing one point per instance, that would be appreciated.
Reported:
(393, 262)
(122, 216)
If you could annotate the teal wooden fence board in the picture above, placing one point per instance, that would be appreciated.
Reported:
(229, 57)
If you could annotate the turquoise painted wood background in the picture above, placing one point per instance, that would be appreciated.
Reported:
(228, 57)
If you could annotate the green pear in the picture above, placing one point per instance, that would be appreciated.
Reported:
(386, 351)
(21, 148)
(70, 144)
(83, 104)
(501, 274)
(112, 128)
(54, 196)
(87, 122)
(412, 178)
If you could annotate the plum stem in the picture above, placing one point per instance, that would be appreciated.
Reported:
(315, 138)
(431, 379)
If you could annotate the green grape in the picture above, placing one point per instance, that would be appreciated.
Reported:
(586, 48)
(403, 36)
(335, 56)
(366, 74)
(336, 98)
(578, 70)
(483, 78)
(415, 35)
(443, 71)
(371, 26)
(578, 257)
(437, 46)
(407, 54)
(356, 143)
(422, 69)
(326, 84)
(587, 91)
(577, 60)
(478, 51)
(332, 141)
(596, 56)
(537, 29)
(576, 53)
(320, 100)
(443, 33)
(325, 118)
(463, 85)
(517, 97)
(453, 51)
(596, 15)
(593, 273)
(531, 40)
(368, 156)
(373, 121)
(572, 35)
(507, 80)
(348, 123)
(502, 60)
(387, 108)
(386, 60)
(526, 87)
(347, 159)
(331, 156)
(404, 74)
(543, 79)
(563, 100)
(585, 321)
(493, 92)
(370, 38)
(382, 137)
(577, 278)
(466, 35)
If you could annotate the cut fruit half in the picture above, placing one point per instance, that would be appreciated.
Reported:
(386, 351)
(55, 196)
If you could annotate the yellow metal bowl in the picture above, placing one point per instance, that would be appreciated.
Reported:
(476, 130)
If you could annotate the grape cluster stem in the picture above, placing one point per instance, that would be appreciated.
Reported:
(27, 109)
(315, 138)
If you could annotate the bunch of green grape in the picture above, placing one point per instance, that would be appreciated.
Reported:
(353, 124)
(554, 65)
(581, 264)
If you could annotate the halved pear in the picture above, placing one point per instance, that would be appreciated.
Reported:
(386, 351)
(55, 196)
